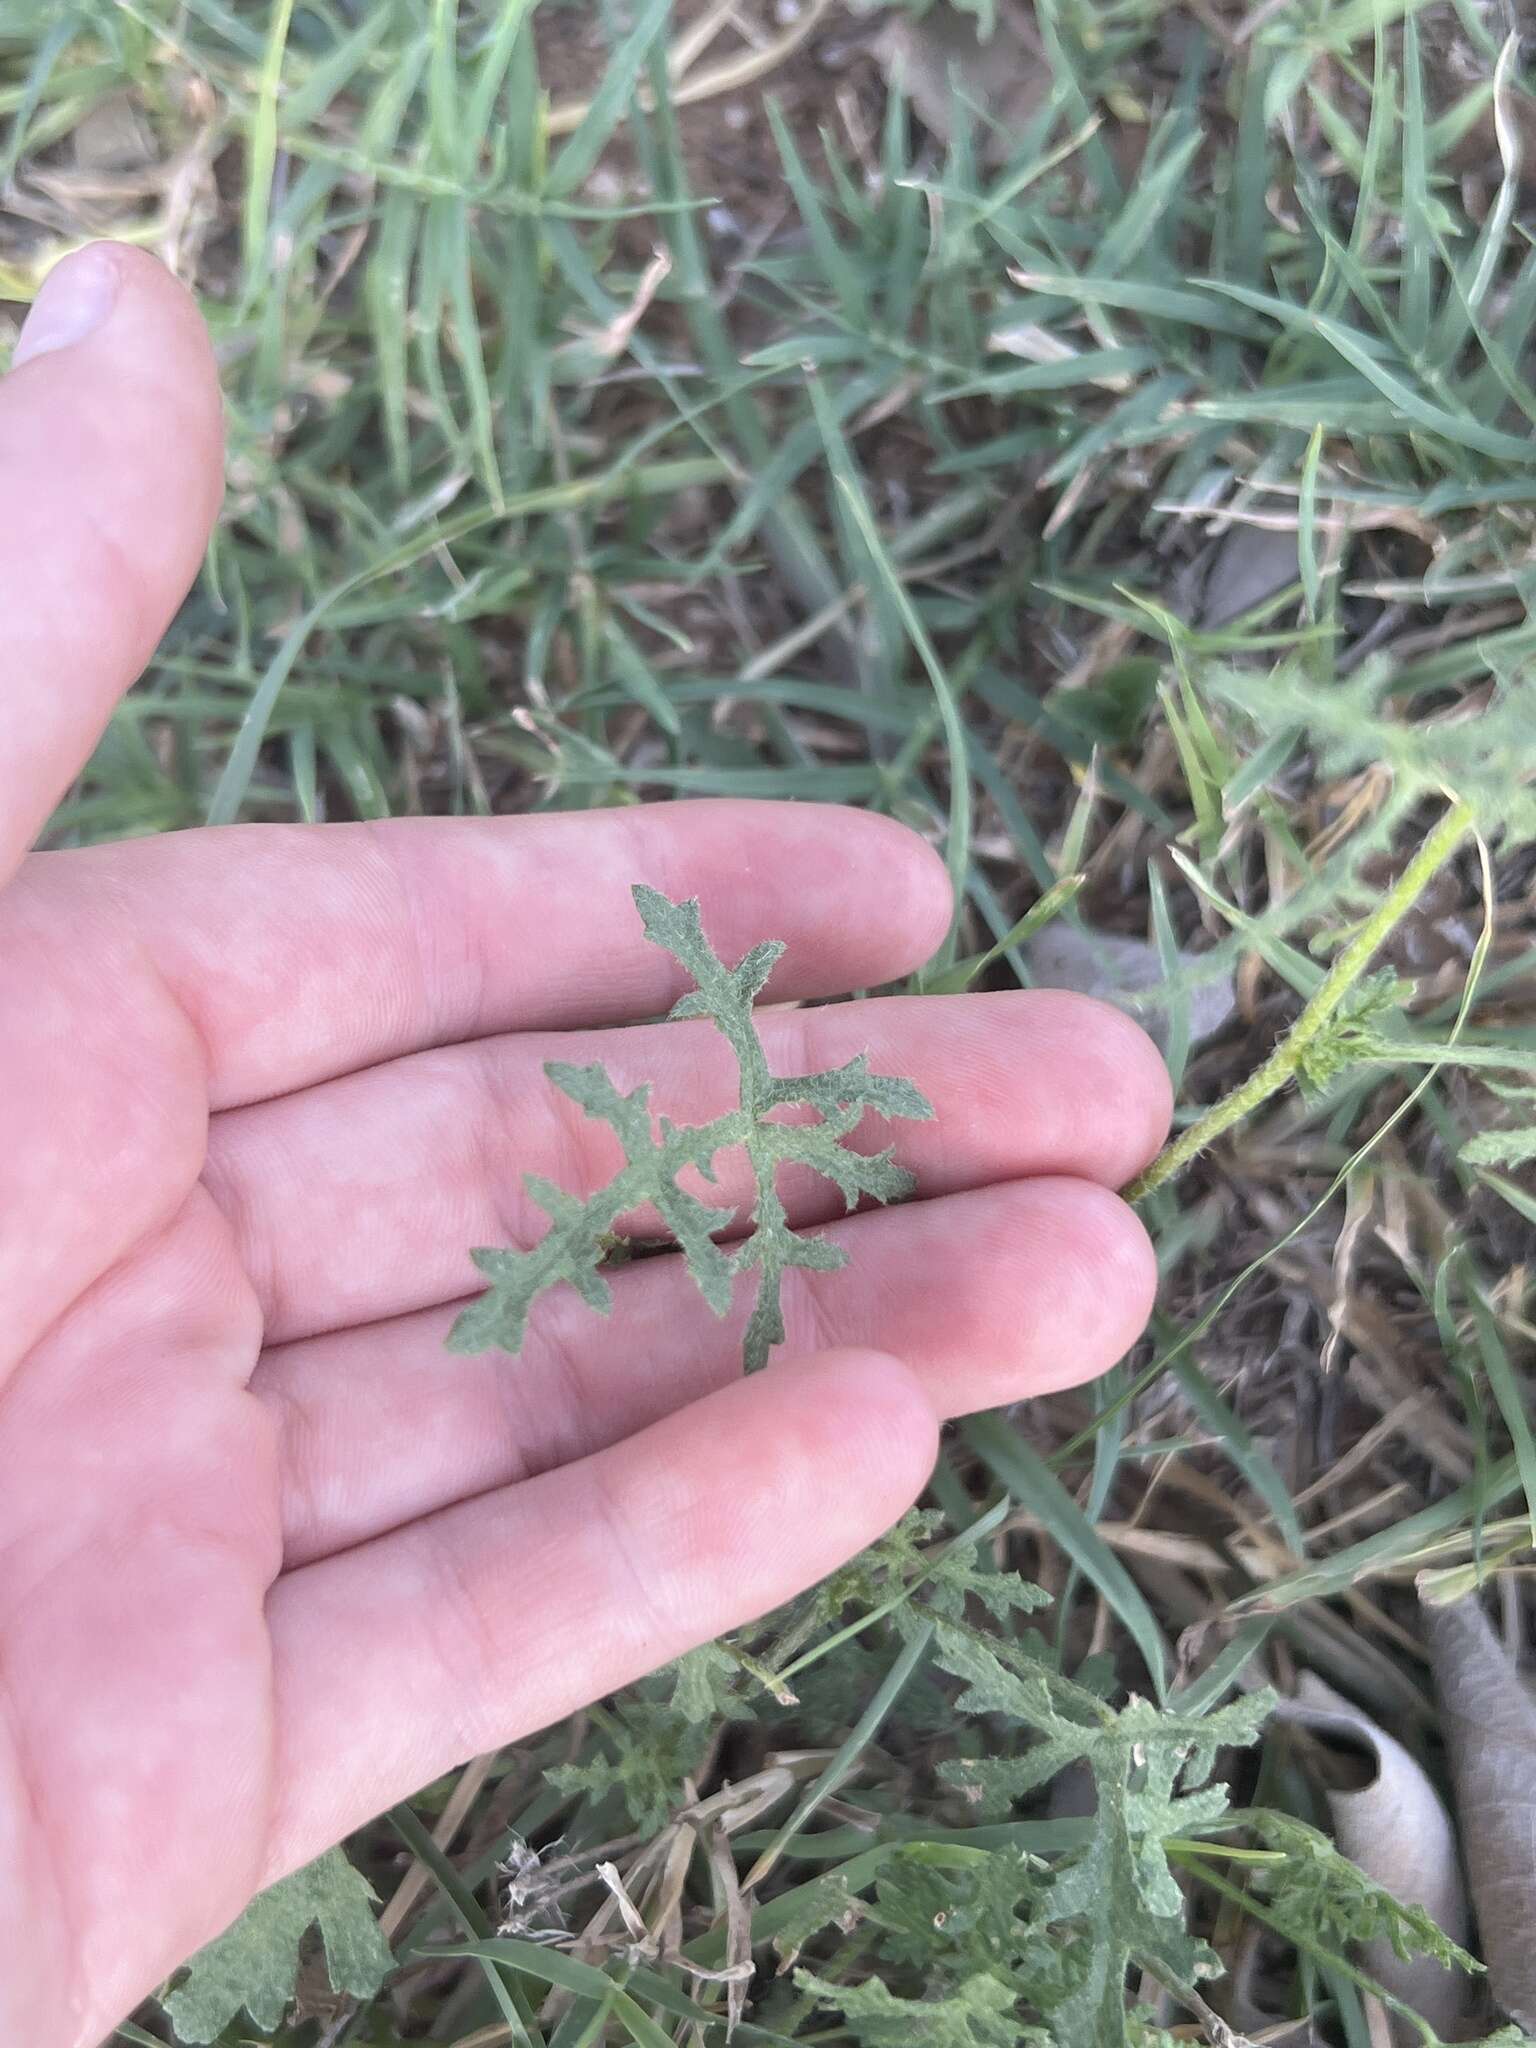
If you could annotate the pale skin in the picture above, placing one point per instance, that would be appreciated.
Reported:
(269, 1559)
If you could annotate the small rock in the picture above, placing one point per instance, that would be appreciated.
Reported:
(111, 137)
(1006, 76)
(1246, 567)
(1129, 974)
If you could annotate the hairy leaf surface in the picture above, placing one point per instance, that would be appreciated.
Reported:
(581, 1238)
(1116, 1901)
(253, 1964)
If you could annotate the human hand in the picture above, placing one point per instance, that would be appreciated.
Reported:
(270, 1560)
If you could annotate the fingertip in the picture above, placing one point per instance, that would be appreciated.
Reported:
(1131, 1258)
(111, 327)
(886, 893)
(104, 294)
(868, 897)
(916, 889)
(1138, 1082)
(111, 445)
(1108, 1269)
(1052, 1280)
(868, 1414)
(114, 432)
(1119, 1081)
(159, 342)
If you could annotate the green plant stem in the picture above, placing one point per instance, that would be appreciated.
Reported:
(1278, 1069)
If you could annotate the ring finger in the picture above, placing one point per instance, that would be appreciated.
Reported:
(987, 1297)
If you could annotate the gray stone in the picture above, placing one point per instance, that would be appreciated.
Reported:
(1129, 973)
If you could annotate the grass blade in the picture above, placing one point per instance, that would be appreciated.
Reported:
(1306, 528)
(1035, 1486)
(609, 104)
(1416, 304)
(262, 154)
(1242, 1448)
(848, 1752)
(1513, 1403)
(567, 1973)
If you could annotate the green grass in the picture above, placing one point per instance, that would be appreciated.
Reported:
(893, 507)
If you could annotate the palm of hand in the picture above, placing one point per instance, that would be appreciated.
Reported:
(268, 1560)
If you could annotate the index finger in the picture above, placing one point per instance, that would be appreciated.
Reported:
(306, 951)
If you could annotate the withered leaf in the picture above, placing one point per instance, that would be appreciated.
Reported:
(1490, 1732)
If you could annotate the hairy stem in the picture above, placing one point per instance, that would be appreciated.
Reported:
(1278, 1069)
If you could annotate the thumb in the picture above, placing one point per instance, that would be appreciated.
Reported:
(111, 458)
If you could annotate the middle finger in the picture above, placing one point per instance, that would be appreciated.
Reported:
(360, 1198)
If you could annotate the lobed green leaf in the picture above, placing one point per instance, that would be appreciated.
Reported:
(583, 1236)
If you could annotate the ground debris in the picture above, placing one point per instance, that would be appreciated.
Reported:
(1490, 1728)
